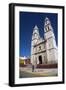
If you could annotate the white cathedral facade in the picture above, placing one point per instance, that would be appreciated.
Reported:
(44, 50)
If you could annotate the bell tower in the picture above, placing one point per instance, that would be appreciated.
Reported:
(35, 35)
(35, 38)
(51, 47)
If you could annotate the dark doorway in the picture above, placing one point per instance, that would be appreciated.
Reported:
(40, 59)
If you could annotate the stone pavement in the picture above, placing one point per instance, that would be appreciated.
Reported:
(42, 72)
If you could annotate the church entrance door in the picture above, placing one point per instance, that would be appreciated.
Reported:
(40, 59)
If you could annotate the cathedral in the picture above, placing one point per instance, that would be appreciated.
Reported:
(44, 50)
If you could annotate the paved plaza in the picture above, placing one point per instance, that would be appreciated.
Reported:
(27, 72)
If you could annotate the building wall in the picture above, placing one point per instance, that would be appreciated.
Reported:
(51, 54)
(39, 48)
(39, 52)
(51, 47)
(45, 48)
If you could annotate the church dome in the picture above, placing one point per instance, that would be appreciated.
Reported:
(47, 21)
(36, 30)
(35, 33)
(47, 25)
(35, 27)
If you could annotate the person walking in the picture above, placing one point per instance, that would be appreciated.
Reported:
(32, 68)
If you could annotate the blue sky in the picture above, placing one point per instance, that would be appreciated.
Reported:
(27, 22)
